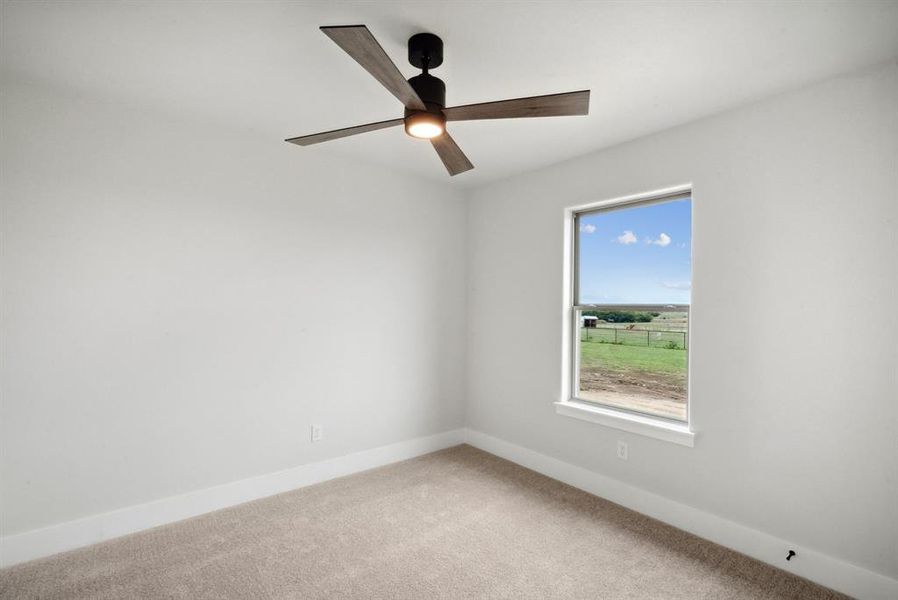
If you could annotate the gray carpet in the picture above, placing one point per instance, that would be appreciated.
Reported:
(454, 524)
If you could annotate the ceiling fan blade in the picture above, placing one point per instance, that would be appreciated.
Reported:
(326, 136)
(552, 105)
(358, 42)
(455, 160)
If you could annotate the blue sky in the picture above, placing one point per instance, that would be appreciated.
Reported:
(638, 255)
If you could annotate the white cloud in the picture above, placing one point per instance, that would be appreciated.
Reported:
(663, 240)
(627, 237)
(588, 228)
(678, 285)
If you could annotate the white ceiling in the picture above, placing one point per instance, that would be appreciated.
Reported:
(265, 67)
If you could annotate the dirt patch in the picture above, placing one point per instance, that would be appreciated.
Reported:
(644, 383)
(656, 393)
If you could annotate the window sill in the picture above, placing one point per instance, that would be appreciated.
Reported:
(639, 424)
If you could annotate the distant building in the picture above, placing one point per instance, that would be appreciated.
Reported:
(589, 321)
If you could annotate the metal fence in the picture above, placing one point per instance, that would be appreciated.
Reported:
(672, 340)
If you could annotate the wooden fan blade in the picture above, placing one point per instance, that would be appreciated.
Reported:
(358, 42)
(553, 105)
(455, 160)
(326, 136)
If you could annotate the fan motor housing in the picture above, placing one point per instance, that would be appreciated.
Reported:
(430, 89)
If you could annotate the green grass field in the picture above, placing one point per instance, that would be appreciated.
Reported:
(654, 349)
(594, 354)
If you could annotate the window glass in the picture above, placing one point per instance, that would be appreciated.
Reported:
(638, 254)
(633, 284)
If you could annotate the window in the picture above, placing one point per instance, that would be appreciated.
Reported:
(632, 280)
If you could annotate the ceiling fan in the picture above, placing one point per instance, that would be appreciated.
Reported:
(424, 96)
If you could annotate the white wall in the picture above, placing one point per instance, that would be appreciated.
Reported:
(176, 305)
(794, 321)
(180, 303)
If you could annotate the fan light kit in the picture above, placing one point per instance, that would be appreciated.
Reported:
(424, 96)
(425, 125)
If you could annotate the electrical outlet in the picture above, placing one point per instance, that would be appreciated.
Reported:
(622, 450)
(317, 433)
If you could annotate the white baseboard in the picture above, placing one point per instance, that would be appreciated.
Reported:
(97, 528)
(825, 570)
(821, 568)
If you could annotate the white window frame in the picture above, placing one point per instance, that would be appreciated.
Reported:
(570, 405)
